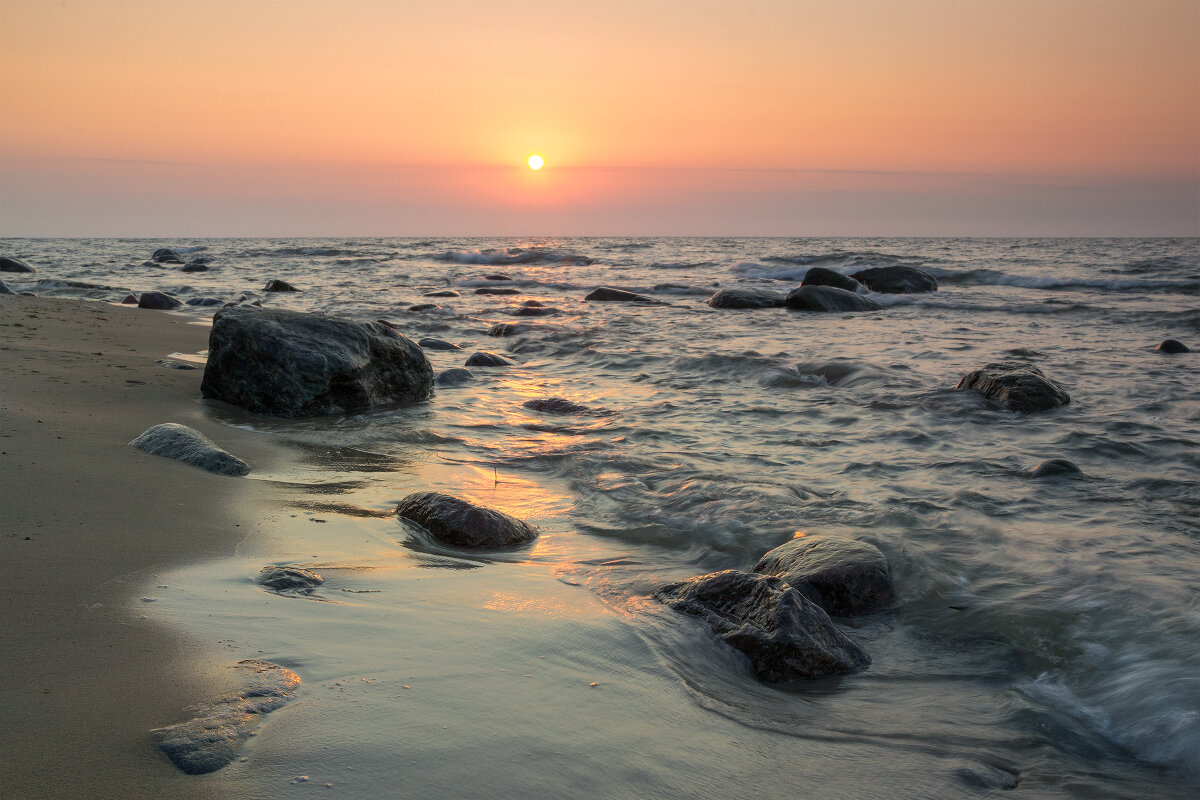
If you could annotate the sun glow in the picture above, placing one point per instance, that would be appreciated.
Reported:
(536, 162)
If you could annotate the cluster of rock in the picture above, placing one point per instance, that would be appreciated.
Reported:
(824, 290)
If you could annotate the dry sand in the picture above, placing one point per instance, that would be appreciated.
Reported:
(86, 522)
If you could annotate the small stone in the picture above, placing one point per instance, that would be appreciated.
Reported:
(745, 298)
(485, 359)
(191, 447)
(442, 293)
(279, 286)
(289, 579)
(438, 344)
(1054, 466)
(609, 295)
(454, 376)
(461, 523)
(556, 405)
(497, 290)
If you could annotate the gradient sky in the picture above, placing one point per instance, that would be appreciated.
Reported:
(656, 117)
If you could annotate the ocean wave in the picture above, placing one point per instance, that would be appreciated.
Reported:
(681, 265)
(515, 255)
(988, 277)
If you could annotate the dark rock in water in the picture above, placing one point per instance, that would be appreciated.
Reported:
(609, 295)
(159, 301)
(1172, 346)
(434, 307)
(291, 364)
(1019, 386)
(454, 376)
(533, 304)
(205, 301)
(497, 290)
(896, 280)
(169, 363)
(484, 359)
(13, 265)
(191, 447)
(442, 293)
(1054, 466)
(785, 635)
(279, 286)
(496, 276)
(289, 579)
(165, 255)
(828, 298)
(194, 266)
(212, 738)
(556, 405)
(438, 344)
(4, 288)
(203, 259)
(508, 329)
(535, 311)
(461, 523)
(820, 276)
(842, 576)
(745, 298)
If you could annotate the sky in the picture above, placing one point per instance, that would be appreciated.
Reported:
(654, 117)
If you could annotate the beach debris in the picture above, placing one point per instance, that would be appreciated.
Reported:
(745, 298)
(13, 265)
(461, 523)
(609, 295)
(821, 276)
(454, 376)
(486, 359)
(438, 344)
(1171, 346)
(160, 301)
(1054, 466)
(896, 280)
(784, 635)
(497, 290)
(294, 364)
(1019, 386)
(842, 576)
(289, 579)
(556, 405)
(165, 255)
(442, 293)
(212, 738)
(276, 285)
(188, 445)
(828, 298)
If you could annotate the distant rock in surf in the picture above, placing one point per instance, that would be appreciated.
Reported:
(165, 255)
(784, 635)
(896, 280)
(131, 299)
(820, 276)
(745, 298)
(205, 301)
(842, 576)
(1019, 386)
(535, 311)
(461, 523)
(485, 359)
(438, 344)
(556, 405)
(276, 285)
(496, 276)
(609, 295)
(508, 329)
(1172, 346)
(160, 301)
(4, 288)
(292, 364)
(430, 308)
(194, 266)
(1054, 466)
(188, 445)
(497, 290)
(442, 293)
(454, 376)
(289, 579)
(13, 265)
(828, 299)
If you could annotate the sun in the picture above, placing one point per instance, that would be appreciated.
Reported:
(536, 162)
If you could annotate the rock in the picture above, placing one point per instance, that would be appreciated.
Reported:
(279, 286)
(496, 276)
(535, 311)
(1054, 466)
(13, 265)
(497, 290)
(842, 576)
(461, 523)
(205, 301)
(202, 259)
(484, 359)
(159, 301)
(820, 276)
(745, 298)
(4, 288)
(896, 280)
(165, 255)
(533, 304)
(783, 634)
(430, 307)
(292, 364)
(1019, 386)
(131, 299)
(454, 376)
(438, 344)
(212, 738)
(556, 405)
(609, 295)
(1171, 346)
(191, 447)
(442, 293)
(194, 266)
(170, 364)
(508, 329)
(289, 579)
(828, 298)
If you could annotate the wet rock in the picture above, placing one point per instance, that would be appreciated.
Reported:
(191, 447)
(896, 280)
(205, 301)
(438, 344)
(1019, 386)
(195, 266)
(1172, 346)
(289, 579)
(276, 285)
(202, 259)
(160, 301)
(171, 364)
(783, 634)
(4, 288)
(485, 359)
(828, 298)
(212, 738)
(508, 329)
(292, 364)
(820, 276)
(533, 304)
(556, 405)
(609, 295)
(13, 265)
(454, 376)
(496, 276)
(431, 308)
(442, 293)
(535, 311)
(463, 524)
(1054, 466)
(497, 290)
(165, 255)
(842, 576)
(745, 298)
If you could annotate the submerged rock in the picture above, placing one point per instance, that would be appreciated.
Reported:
(896, 280)
(461, 523)
(191, 447)
(745, 298)
(165, 255)
(211, 739)
(438, 344)
(442, 293)
(276, 285)
(820, 276)
(289, 579)
(783, 634)
(496, 276)
(160, 301)
(508, 329)
(497, 290)
(1019, 386)
(609, 295)
(454, 376)
(195, 266)
(1054, 466)
(292, 364)
(828, 298)
(535, 311)
(485, 359)
(556, 405)
(842, 576)
(1172, 346)
(13, 265)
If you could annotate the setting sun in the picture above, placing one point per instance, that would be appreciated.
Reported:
(536, 161)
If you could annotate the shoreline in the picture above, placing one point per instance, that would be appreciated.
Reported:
(89, 523)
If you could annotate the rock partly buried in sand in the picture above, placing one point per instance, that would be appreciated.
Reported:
(1172, 346)
(609, 295)
(1019, 386)
(189, 446)
(454, 376)
(292, 364)
(828, 298)
(160, 301)
(785, 635)
(289, 579)
(842, 576)
(497, 290)
(1054, 466)
(211, 739)
(13, 265)
(896, 280)
(485, 359)
(745, 298)
(461, 523)
(820, 276)
(276, 285)
(556, 405)
(438, 344)
(165, 255)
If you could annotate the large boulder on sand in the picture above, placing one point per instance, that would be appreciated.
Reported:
(159, 301)
(785, 635)
(828, 298)
(1019, 386)
(745, 298)
(463, 524)
(13, 265)
(842, 576)
(293, 364)
(896, 280)
(189, 446)
(820, 276)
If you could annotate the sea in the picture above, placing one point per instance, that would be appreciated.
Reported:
(1045, 637)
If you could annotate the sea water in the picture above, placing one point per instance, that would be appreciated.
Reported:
(1045, 639)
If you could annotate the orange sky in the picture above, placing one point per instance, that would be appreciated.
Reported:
(1079, 91)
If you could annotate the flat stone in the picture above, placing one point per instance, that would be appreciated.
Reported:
(442, 293)
(497, 290)
(289, 579)
(485, 359)
(497, 276)
(188, 445)
(1019, 386)
(535, 311)
(13, 265)
(828, 299)
(607, 294)
(842, 576)
(463, 524)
